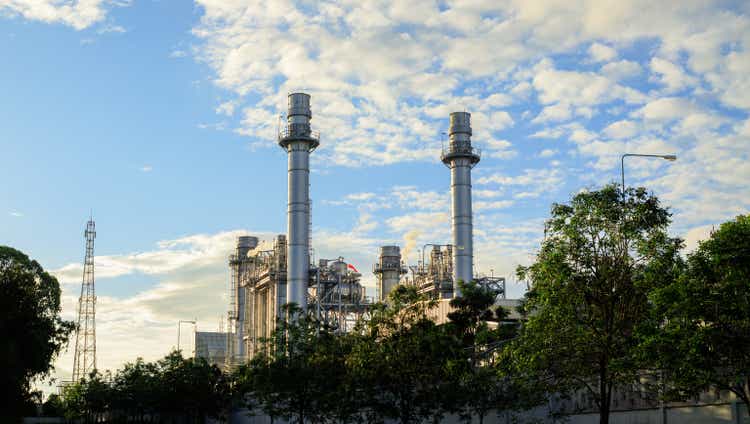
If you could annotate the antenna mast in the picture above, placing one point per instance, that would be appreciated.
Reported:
(84, 360)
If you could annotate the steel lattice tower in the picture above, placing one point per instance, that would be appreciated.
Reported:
(85, 355)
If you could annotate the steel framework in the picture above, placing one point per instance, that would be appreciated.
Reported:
(84, 360)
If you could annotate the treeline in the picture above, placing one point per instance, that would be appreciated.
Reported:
(171, 390)
(398, 364)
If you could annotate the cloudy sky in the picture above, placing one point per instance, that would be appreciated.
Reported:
(160, 118)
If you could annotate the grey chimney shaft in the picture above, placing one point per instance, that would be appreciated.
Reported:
(460, 157)
(298, 140)
(388, 270)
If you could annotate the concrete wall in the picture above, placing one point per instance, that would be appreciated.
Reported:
(724, 413)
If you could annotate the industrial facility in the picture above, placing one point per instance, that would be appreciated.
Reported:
(264, 279)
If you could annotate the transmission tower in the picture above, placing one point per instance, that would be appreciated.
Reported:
(85, 356)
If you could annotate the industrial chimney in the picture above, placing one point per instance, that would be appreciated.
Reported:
(389, 270)
(298, 140)
(460, 157)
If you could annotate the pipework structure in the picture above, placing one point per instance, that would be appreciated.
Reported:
(84, 358)
(299, 141)
(460, 157)
(337, 296)
(433, 273)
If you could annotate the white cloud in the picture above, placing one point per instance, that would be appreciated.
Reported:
(579, 88)
(424, 221)
(147, 168)
(111, 28)
(665, 109)
(533, 182)
(499, 149)
(602, 53)
(480, 193)
(412, 198)
(343, 54)
(79, 14)
(190, 276)
(672, 76)
(697, 234)
(15, 214)
(554, 113)
(621, 129)
(360, 196)
(482, 205)
(546, 153)
(527, 178)
(550, 132)
(622, 69)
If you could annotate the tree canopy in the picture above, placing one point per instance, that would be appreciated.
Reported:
(173, 389)
(601, 256)
(704, 339)
(31, 329)
(397, 364)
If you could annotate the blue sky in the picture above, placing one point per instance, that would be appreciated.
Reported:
(160, 117)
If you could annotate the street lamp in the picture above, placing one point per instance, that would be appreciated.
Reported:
(179, 324)
(670, 158)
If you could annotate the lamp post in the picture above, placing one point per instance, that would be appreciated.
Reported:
(179, 324)
(670, 158)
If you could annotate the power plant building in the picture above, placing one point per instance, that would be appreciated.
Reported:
(263, 281)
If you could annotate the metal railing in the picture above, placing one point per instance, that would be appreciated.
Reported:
(299, 132)
(385, 266)
(460, 149)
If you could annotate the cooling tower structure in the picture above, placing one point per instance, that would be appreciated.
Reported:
(388, 270)
(461, 157)
(299, 141)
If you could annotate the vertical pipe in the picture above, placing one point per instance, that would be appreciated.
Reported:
(298, 141)
(460, 157)
(244, 245)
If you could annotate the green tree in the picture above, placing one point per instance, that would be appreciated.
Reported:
(88, 400)
(705, 339)
(479, 328)
(53, 406)
(403, 362)
(136, 390)
(173, 389)
(31, 329)
(299, 372)
(190, 388)
(602, 255)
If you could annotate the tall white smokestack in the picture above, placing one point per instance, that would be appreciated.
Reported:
(298, 140)
(460, 157)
